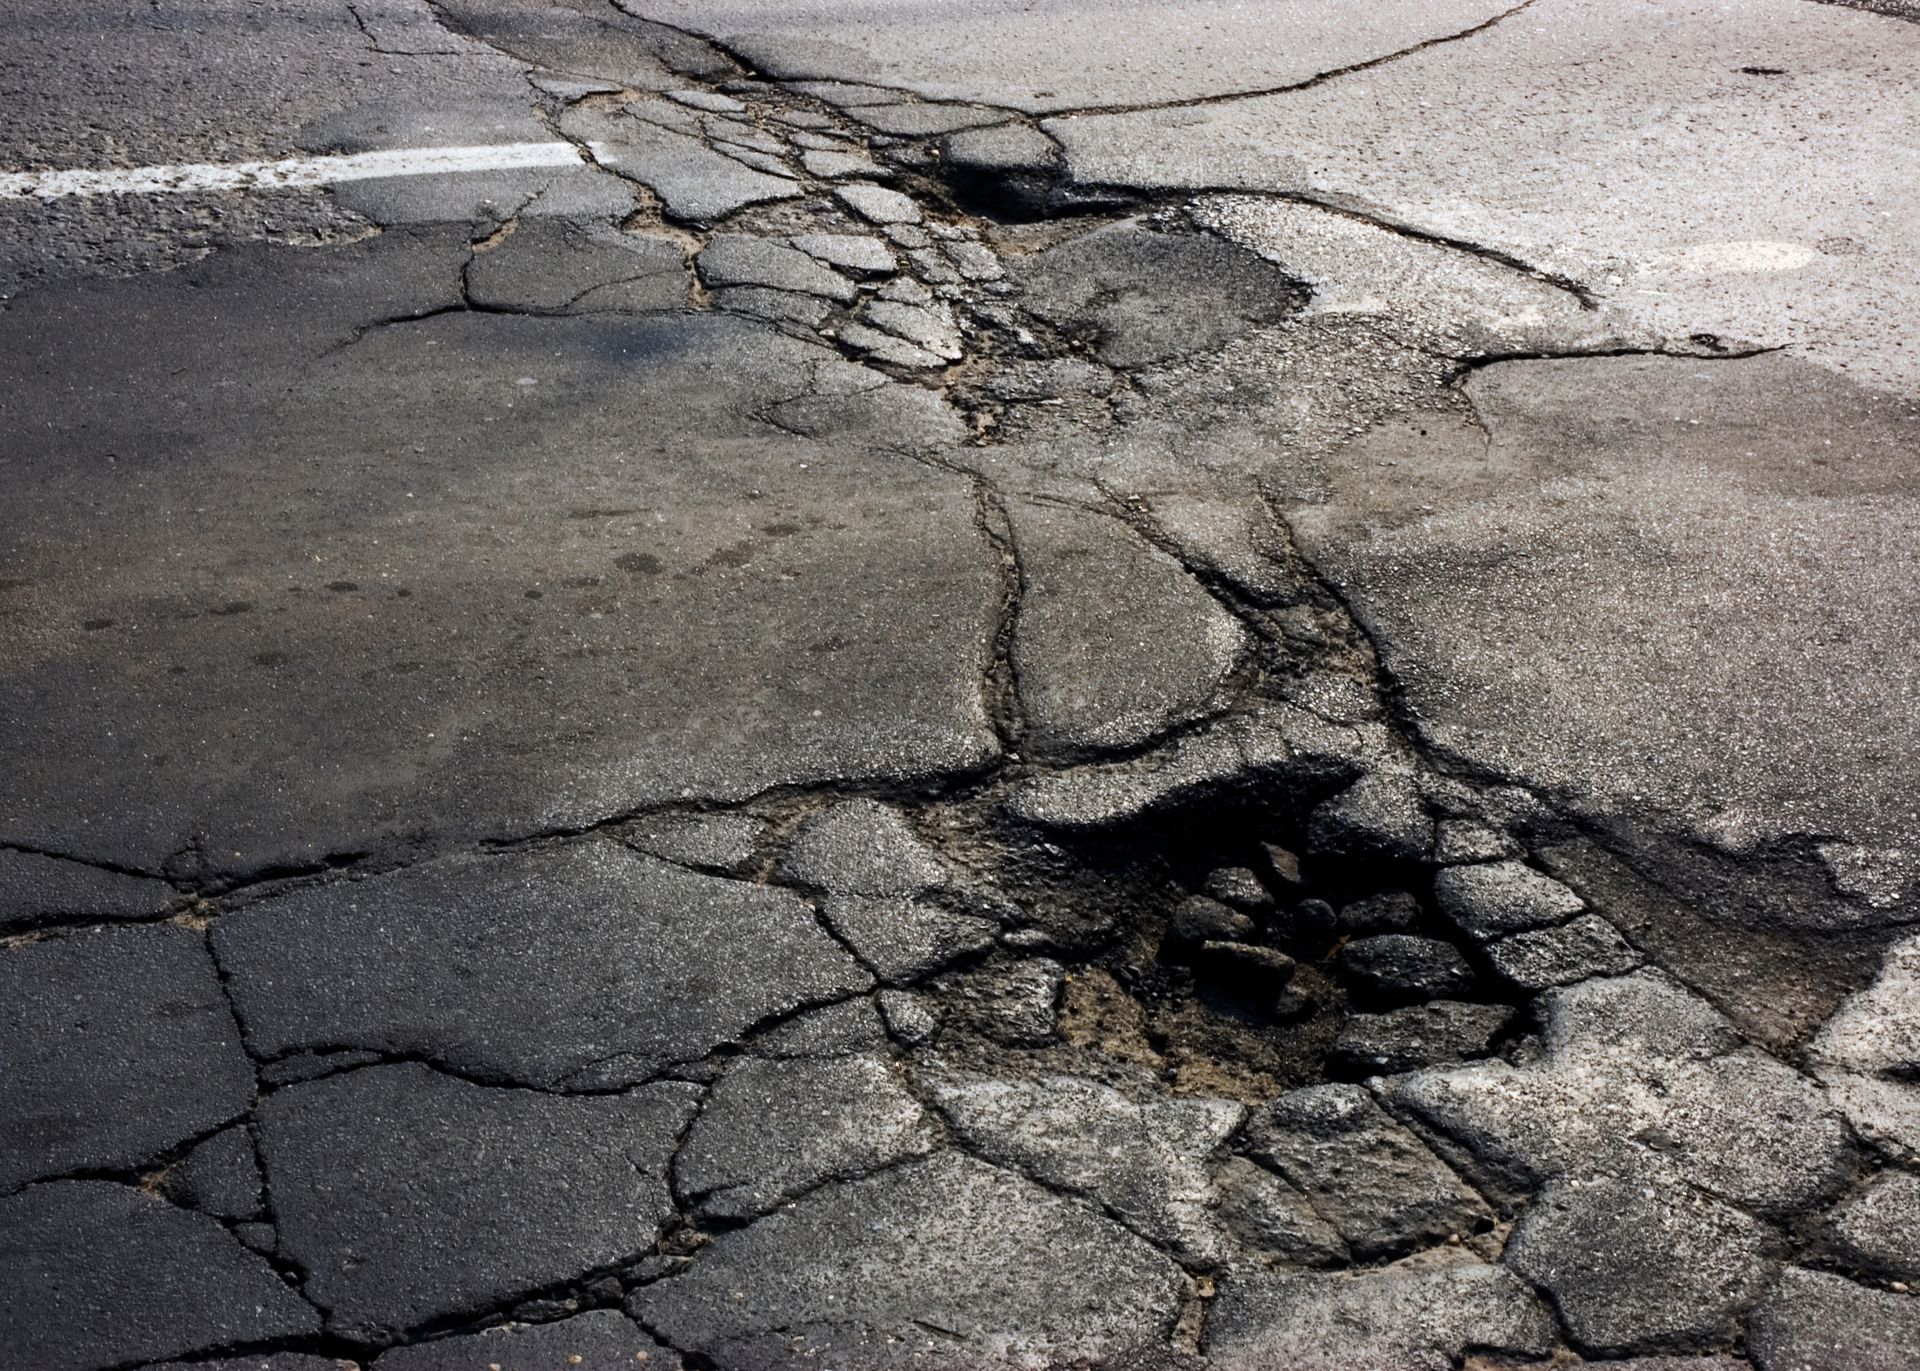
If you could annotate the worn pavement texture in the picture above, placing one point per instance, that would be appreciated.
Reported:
(961, 684)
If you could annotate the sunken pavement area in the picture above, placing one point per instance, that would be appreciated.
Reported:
(957, 684)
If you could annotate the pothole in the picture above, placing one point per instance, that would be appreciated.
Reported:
(1235, 949)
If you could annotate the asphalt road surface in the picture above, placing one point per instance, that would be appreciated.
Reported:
(955, 684)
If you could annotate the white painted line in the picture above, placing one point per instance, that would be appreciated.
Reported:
(295, 171)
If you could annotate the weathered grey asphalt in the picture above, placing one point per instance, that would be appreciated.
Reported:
(1123, 683)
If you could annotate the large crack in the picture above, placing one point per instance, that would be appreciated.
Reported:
(1318, 79)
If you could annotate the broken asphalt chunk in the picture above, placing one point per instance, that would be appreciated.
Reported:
(1092, 588)
(856, 252)
(1403, 967)
(220, 1176)
(589, 965)
(1380, 1187)
(1643, 1262)
(409, 1196)
(1146, 1162)
(877, 204)
(1633, 1069)
(1493, 899)
(1418, 1035)
(1589, 946)
(695, 183)
(1817, 1320)
(774, 1129)
(1017, 1005)
(861, 847)
(1234, 760)
(1406, 1318)
(1264, 1213)
(946, 1256)
(1150, 296)
(1380, 817)
(94, 1274)
(929, 327)
(1868, 1055)
(724, 842)
(734, 259)
(551, 266)
(36, 889)
(1197, 920)
(118, 1044)
(1879, 1228)
(903, 939)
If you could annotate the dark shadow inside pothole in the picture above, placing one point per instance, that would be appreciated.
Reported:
(1227, 952)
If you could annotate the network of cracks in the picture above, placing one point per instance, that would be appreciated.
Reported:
(1260, 1035)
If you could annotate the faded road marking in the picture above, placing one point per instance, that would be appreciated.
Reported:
(295, 171)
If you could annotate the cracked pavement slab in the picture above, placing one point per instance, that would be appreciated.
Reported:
(1098, 683)
(407, 1196)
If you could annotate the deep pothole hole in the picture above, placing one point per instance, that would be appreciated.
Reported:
(1230, 950)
